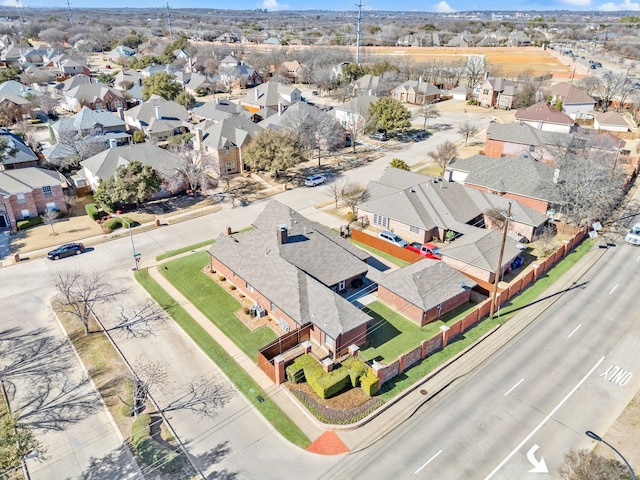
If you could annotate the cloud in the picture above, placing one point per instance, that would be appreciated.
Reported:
(577, 3)
(613, 7)
(443, 7)
(273, 5)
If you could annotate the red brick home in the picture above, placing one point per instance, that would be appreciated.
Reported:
(27, 193)
(298, 272)
(496, 92)
(425, 290)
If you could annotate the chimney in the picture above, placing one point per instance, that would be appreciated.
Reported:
(486, 75)
(197, 140)
(121, 113)
(113, 143)
(282, 234)
(279, 109)
(556, 175)
(158, 114)
(140, 82)
(255, 93)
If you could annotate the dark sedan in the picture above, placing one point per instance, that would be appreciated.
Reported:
(66, 251)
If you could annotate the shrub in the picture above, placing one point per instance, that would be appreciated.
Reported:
(28, 223)
(369, 383)
(295, 373)
(351, 216)
(92, 210)
(222, 278)
(117, 222)
(232, 287)
(357, 368)
(246, 310)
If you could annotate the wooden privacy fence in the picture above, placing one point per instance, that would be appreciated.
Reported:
(279, 346)
(384, 246)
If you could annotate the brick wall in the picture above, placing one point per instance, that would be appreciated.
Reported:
(493, 148)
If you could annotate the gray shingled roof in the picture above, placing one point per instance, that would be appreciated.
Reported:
(23, 180)
(218, 111)
(543, 112)
(527, 135)
(481, 248)
(22, 153)
(296, 275)
(105, 164)
(170, 111)
(87, 119)
(235, 130)
(426, 283)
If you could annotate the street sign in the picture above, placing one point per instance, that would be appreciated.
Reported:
(136, 255)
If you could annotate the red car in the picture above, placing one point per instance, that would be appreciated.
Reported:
(428, 250)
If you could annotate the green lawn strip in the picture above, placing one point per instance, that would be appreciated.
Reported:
(430, 171)
(173, 253)
(386, 256)
(392, 334)
(214, 302)
(243, 381)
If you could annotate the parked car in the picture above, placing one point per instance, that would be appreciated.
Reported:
(313, 180)
(66, 250)
(380, 137)
(392, 238)
(428, 250)
(633, 235)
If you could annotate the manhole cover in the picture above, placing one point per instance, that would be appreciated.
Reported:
(423, 392)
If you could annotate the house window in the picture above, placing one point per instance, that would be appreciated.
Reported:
(25, 214)
(329, 341)
(21, 199)
(532, 148)
(51, 206)
(47, 192)
(342, 285)
(229, 167)
(380, 220)
(272, 307)
(227, 149)
(414, 229)
(249, 287)
(485, 92)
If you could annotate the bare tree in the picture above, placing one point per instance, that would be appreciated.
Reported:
(426, 111)
(353, 194)
(196, 168)
(445, 152)
(79, 148)
(475, 69)
(467, 130)
(335, 188)
(49, 218)
(80, 292)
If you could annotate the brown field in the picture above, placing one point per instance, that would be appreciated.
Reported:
(512, 61)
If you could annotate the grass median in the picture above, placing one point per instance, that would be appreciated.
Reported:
(243, 381)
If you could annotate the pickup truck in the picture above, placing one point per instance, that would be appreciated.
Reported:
(428, 250)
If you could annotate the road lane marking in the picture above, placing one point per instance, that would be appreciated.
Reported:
(544, 420)
(614, 288)
(574, 331)
(514, 387)
(638, 258)
(427, 462)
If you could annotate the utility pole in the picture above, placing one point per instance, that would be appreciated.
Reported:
(359, 5)
(507, 216)
(70, 16)
(19, 5)
(169, 23)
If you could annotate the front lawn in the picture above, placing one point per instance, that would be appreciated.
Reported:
(214, 302)
(393, 334)
(386, 256)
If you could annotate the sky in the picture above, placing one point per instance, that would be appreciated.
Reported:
(443, 6)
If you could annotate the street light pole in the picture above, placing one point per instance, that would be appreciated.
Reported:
(133, 247)
(598, 438)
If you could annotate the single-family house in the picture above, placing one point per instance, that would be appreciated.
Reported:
(316, 270)
(496, 92)
(575, 102)
(71, 83)
(272, 95)
(224, 142)
(17, 153)
(120, 53)
(232, 72)
(105, 164)
(191, 81)
(95, 96)
(461, 93)
(352, 114)
(14, 109)
(416, 92)
(520, 139)
(126, 79)
(29, 192)
(545, 117)
(158, 118)
(521, 178)
(11, 87)
(292, 70)
(366, 85)
(216, 111)
(518, 38)
(610, 121)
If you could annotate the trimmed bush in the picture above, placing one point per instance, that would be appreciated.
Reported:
(326, 384)
(116, 222)
(232, 287)
(92, 210)
(357, 368)
(295, 373)
(28, 223)
(150, 451)
(222, 278)
(369, 383)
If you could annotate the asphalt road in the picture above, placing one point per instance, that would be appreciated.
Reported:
(575, 368)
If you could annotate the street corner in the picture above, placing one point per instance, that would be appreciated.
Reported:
(329, 443)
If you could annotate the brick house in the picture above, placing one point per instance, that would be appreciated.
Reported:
(496, 92)
(29, 192)
(575, 102)
(545, 117)
(158, 118)
(96, 96)
(225, 141)
(18, 154)
(271, 95)
(416, 92)
(299, 272)
(425, 290)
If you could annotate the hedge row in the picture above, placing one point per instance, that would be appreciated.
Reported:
(92, 210)
(327, 384)
(28, 222)
(150, 451)
(117, 222)
(369, 383)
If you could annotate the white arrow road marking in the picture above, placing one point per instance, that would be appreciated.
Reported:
(544, 420)
(427, 462)
(614, 289)
(538, 466)
(574, 331)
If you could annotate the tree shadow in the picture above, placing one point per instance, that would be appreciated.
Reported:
(118, 463)
(223, 475)
(214, 455)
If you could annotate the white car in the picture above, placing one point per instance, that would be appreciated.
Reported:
(313, 180)
(633, 235)
(393, 238)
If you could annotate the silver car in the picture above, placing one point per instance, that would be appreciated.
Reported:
(633, 235)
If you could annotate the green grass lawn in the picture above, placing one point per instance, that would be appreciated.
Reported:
(393, 334)
(386, 256)
(227, 364)
(430, 171)
(217, 304)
